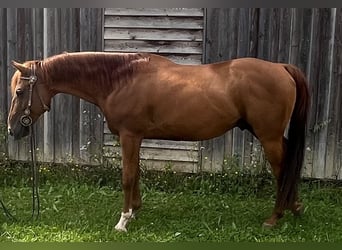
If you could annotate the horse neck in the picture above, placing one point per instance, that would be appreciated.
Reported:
(81, 88)
(73, 81)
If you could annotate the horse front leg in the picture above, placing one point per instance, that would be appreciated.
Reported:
(130, 146)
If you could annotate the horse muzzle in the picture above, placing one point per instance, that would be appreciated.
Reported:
(18, 132)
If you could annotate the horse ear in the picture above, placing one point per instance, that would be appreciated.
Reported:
(21, 67)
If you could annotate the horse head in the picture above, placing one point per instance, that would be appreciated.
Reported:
(31, 97)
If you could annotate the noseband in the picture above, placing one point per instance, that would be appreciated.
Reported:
(26, 119)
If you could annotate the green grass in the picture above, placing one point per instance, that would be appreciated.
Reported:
(211, 208)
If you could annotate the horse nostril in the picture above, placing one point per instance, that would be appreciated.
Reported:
(10, 132)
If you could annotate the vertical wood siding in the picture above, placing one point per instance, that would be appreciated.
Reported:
(72, 131)
(310, 38)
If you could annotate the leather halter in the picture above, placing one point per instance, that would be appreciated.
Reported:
(26, 119)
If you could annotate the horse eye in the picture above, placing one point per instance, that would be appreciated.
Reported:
(19, 92)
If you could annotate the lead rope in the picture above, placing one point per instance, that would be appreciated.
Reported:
(34, 167)
(35, 176)
(6, 211)
(35, 184)
(26, 121)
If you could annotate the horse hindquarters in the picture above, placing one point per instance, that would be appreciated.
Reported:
(286, 155)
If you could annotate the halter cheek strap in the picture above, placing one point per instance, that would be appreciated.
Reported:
(26, 119)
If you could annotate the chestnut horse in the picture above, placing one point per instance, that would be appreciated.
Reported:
(148, 96)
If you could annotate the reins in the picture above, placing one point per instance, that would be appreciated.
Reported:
(26, 121)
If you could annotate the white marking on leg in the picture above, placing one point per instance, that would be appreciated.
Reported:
(125, 218)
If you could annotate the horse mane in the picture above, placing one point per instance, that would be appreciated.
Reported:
(108, 70)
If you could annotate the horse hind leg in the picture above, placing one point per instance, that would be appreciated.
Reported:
(274, 150)
(297, 207)
(275, 153)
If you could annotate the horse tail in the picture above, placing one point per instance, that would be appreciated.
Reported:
(295, 147)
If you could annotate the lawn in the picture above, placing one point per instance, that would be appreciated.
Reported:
(200, 208)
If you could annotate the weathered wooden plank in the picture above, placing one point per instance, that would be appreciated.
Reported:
(38, 53)
(91, 120)
(3, 79)
(222, 147)
(213, 17)
(24, 52)
(110, 140)
(304, 45)
(253, 34)
(66, 130)
(174, 166)
(167, 144)
(74, 45)
(168, 154)
(284, 34)
(302, 60)
(153, 46)
(337, 99)
(233, 140)
(252, 152)
(22, 149)
(312, 76)
(274, 34)
(334, 102)
(295, 40)
(154, 22)
(153, 34)
(4, 83)
(63, 120)
(158, 154)
(50, 49)
(185, 59)
(244, 32)
(11, 55)
(323, 92)
(113, 155)
(264, 35)
(187, 12)
(296, 34)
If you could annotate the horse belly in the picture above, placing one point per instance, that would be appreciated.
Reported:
(190, 123)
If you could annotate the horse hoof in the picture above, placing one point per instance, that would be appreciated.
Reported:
(120, 228)
(267, 225)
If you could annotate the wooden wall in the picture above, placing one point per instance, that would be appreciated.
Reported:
(72, 131)
(308, 38)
